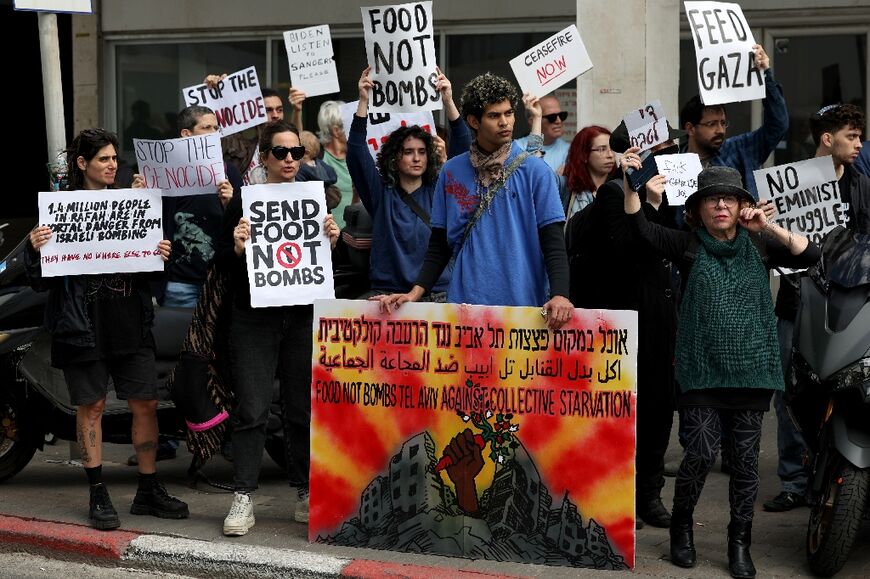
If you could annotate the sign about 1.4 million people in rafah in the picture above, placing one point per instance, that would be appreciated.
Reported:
(451, 428)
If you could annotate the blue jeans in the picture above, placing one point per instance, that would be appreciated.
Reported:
(789, 443)
(181, 295)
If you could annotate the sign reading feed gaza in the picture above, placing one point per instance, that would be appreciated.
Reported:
(236, 100)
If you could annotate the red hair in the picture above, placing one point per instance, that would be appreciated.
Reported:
(577, 164)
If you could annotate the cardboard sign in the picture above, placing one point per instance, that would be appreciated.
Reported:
(288, 254)
(381, 125)
(236, 101)
(312, 68)
(647, 126)
(70, 6)
(806, 196)
(681, 171)
(401, 51)
(552, 63)
(105, 231)
(723, 48)
(186, 166)
(545, 422)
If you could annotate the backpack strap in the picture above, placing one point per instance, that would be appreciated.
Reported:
(415, 207)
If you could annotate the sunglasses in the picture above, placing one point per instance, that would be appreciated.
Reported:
(562, 115)
(281, 153)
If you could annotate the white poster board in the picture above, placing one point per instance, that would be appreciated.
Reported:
(105, 231)
(237, 101)
(647, 126)
(681, 172)
(186, 166)
(723, 49)
(310, 55)
(552, 63)
(61, 6)
(401, 52)
(380, 125)
(288, 253)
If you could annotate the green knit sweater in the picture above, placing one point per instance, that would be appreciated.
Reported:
(727, 332)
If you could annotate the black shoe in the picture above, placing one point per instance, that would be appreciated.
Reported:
(682, 539)
(654, 513)
(156, 501)
(102, 513)
(739, 560)
(785, 501)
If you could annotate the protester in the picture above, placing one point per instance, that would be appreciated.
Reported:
(727, 361)
(101, 327)
(265, 342)
(334, 141)
(555, 148)
(589, 164)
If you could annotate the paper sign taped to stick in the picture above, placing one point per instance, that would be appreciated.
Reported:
(806, 196)
(552, 63)
(105, 231)
(681, 171)
(647, 126)
(236, 100)
(312, 67)
(381, 125)
(727, 71)
(186, 166)
(288, 253)
(401, 52)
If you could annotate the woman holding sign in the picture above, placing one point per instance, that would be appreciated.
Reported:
(727, 354)
(101, 327)
(265, 342)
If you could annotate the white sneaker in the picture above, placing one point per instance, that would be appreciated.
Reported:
(241, 516)
(300, 515)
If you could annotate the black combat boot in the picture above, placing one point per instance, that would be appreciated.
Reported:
(682, 539)
(152, 499)
(739, 559)
(101, 513)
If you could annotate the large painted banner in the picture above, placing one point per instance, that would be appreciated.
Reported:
(474, 431)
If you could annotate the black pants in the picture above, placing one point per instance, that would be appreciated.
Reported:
(703, 429)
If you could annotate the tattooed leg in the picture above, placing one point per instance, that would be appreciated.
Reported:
(89, 433)
(145, 433)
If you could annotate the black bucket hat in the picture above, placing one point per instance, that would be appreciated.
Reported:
(718, 180)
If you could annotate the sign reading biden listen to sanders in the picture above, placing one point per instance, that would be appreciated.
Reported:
(288, 253)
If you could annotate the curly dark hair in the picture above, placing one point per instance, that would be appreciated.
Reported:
(391, 151)
(86, 145)
(483, 90)
(833, 118)
(273, 128)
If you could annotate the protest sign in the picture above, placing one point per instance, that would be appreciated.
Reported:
(312, 68)
(187, 166)
(552, 63)
(647, 126)
(546, 417)
(806, 196)
(236, 101)
(401, 52)
(72, 6)
(288, 253)
(681, 171)
(727, 71)
(105, 231)
(381, 125)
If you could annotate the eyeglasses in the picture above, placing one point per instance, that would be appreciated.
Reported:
(562, 115)
(601, 149)
(714, 124)
(281, 153)
(728, 200)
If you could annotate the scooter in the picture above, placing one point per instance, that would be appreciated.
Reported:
(829, 383)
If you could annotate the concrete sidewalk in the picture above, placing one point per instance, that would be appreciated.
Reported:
(44, 508)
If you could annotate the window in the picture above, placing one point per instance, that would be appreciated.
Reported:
(397, 492)
(412, 452)
(412, 490)
(414, 469)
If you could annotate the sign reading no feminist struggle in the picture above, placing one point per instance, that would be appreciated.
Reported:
(401, 53)
(647, 126)
(806, 196)
(452, 426)
(236, 100)
(381, 125)
(187, 166)
(106, 231)
(553, 63)
(312, 68)
(727, 71)
(681, 171)
(288, 253)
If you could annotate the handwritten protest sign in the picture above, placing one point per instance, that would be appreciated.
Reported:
(236, 100)
(312, 68)
(547, 418)
(806, 196)
(647, 126)
(186, 166)
(105, 231)
(381, 125)
(727, 71)
(401, 51)
(681, 171)
(288, 253)
(552, 63)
